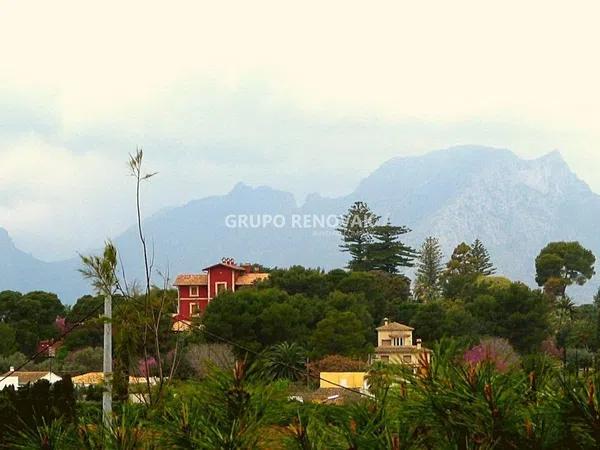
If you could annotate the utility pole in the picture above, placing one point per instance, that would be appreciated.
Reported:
(307, 373)
(107, 362)
(101, 270)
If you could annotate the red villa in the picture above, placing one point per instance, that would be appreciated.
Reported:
(195, 291)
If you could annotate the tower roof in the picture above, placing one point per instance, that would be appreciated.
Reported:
(394, 326)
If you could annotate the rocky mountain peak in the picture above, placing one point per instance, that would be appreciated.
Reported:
(515, 206)
(5, 240)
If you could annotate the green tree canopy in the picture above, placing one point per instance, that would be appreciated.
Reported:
(515, 312)
(461, 261)
(459, 272)
(342, 333)
(32, 316)
(8, 339)
(561, 264)
(301, 280)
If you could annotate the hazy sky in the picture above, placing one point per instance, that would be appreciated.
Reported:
(302, 96)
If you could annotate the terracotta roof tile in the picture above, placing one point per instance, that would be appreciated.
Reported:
(250, 278)
(89, 378)
(394, 326)
(191, 280)
(27, 377)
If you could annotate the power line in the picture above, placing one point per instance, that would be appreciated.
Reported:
(299, 371)
(201, 329)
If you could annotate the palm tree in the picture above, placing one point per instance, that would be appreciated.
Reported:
(565, 307)
(284, 361)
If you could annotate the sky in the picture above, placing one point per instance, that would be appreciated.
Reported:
(301, 96)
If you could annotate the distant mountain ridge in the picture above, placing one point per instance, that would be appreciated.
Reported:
(514, 206)
(22, 272)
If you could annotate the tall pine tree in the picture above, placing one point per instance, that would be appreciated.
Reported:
(357, 233)
(387, 253)
(429, 271)
(482, 263)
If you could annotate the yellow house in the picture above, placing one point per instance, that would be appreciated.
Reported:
(395, 344)
(352, 380)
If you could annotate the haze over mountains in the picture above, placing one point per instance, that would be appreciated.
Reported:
(514, 206)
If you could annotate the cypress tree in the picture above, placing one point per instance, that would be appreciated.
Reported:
(482, 263)
(429, 270)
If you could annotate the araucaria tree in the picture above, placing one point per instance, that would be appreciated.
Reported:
(373, 246)
(560, 264)
(481, 260)
(357, 233)
(387, 253)
(429, 270)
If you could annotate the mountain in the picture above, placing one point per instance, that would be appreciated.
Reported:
(22, 272)
(514, 206)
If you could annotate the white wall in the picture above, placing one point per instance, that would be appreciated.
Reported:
(10, 381)
(51, 377)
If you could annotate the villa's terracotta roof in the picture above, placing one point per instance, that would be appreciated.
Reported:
(394, 326)
(191, 280)
(231, 266)
(98, 378)
(27, 377)
(89, 378)
(250, 278)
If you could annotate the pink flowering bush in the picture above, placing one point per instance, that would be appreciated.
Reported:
(61, 324)
(495, 351)
(550, 348)
(145, 366)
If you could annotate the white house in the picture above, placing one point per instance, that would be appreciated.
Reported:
(20, 378)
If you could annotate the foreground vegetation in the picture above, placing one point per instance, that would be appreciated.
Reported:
(456, 402)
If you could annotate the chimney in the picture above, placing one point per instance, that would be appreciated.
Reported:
(247, 267)
(418, 343)
(386, 321)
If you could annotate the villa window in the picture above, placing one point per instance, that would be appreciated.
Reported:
(221, 287)
(194, 291)
(407, 358)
